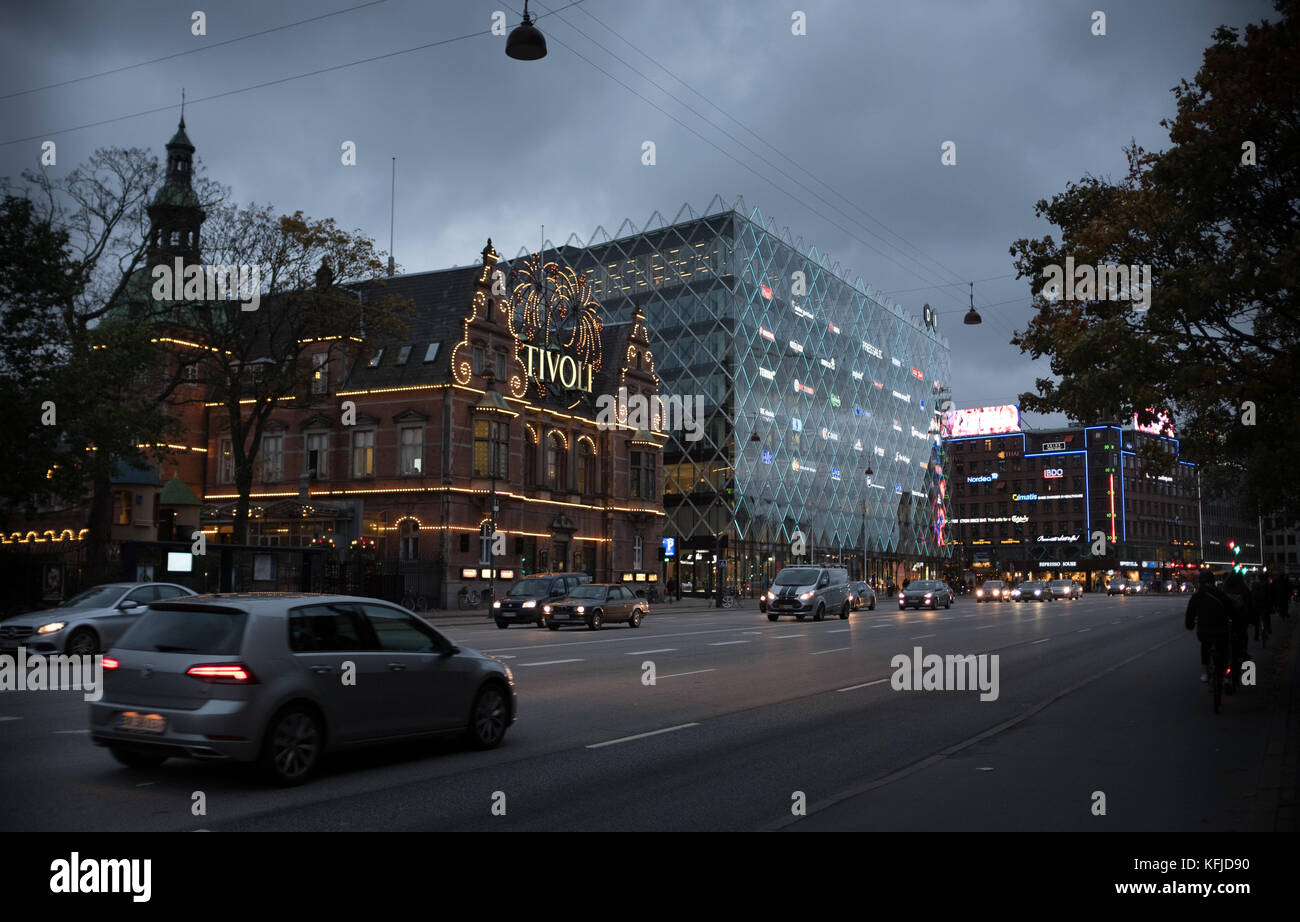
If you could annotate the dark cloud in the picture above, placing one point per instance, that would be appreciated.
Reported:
(488, 146)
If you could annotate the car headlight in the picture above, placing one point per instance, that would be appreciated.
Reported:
(979, 593)
(929, 595)
(771, 596)
(496, 604)
(51, 627)
(1038, 592)
(546, 608)
(805, 596)
(581, 609)
(531, 603)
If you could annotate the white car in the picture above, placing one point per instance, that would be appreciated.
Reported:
(88, 623)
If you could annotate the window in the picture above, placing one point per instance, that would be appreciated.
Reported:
(192, 373)
(363, 453)
(329, 628)
(272, 458)
(501, 366)
(125, 509)
(399, 632)
(408, 536)
(375, 359)
(403, 354)
(411, 446)
(226, 474)
(641, 477)
(478, 360)
(557, 462)
(485, 543)
(431, 352)
(318, 453)
(636, 553)
(586, 469)
(320, 373)
(530, 462)
(491, 449)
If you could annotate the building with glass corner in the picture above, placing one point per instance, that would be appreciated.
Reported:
(817, 429)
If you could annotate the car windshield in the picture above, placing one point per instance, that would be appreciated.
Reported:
(1031, 585)
(98, 597)
(796, 576)
(187, 631)
(994, 584)
(530, 587)
(588, 592)
(925, 584)
(1060, 584)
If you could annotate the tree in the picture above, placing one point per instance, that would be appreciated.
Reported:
(73, 249)
(255, 361)
(1216, 217)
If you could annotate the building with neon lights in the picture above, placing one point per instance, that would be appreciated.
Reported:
(1033, 503)
(807, 380)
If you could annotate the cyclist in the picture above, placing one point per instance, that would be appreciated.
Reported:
(1208, 613)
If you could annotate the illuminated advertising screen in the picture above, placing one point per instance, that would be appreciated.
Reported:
(982, 421)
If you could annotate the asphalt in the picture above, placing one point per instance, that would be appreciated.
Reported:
(745, 716)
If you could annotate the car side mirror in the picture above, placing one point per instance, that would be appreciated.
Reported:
(450, 649)
(128, 605)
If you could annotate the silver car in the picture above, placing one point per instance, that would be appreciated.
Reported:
(87, 623)
(1065, 589)
(282, 678)
(925, 593)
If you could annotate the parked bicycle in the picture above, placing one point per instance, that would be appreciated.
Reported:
(415, 603)
(728, 600)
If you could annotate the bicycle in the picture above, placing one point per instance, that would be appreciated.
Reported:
(415, 603)
(467, 598)
(728, 600)
(1221, 678)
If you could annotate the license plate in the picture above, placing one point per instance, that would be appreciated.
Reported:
(141, 723)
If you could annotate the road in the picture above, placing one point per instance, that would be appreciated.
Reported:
(746, 720)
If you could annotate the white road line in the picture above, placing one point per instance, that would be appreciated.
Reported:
(985, 627)
(1083, 630)
(1044, 640)
(549, 662)
(869, 626)
(923, 636)
(644, 652)
(786, 636)
(640, 736)
(751, 632)
(9, 718)
(727, 643)
(71, 731)
(1116, 621)
(841, 630)
(675, 675)
(836, 650)
(863, 685)
(505, 656)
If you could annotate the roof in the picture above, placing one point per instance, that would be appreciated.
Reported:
(126, 473)
(177, 493)
(180, 137)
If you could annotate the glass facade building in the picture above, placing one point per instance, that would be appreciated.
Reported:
(806, 382)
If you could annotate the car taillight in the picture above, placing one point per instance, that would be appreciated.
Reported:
(110, 663)
(222, 673)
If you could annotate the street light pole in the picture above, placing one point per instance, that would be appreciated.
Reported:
(489, 380)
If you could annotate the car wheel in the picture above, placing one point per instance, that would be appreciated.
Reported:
(552, 625)
(134, 758)
(594, 621)
(947, 603)
(635, 620)
(541, 622)
(83, 642)
(293, 745)
(772, 616)
(820, 615)
(844, 613)
(872, 606)
(502, 624)
(489, 718)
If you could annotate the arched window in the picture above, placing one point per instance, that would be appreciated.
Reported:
(557, 461)
(409, 539)
(584, 481)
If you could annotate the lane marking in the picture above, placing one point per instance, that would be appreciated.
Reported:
(785, 636)
(870, 626)
(727, 643)
(644, 652)
(2, 719)
(71, 731)
(840, 630)
(751, 632)
(1083, 630)
(985, 627)
(640, 736)
(923, 636)
(549, 662)
(1116, 621)
(1044, 640)
(836, 650)
(675, 675)
(863, 685)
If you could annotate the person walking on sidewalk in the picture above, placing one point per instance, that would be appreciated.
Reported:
(1208, 613)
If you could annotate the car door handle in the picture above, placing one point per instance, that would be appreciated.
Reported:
(397, 667)
(322, 670)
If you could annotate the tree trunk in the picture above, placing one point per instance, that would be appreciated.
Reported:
(245, 485)
(99, 523)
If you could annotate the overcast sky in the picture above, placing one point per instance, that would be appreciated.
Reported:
(849, 117)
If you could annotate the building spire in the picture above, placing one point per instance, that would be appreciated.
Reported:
(182, 107)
